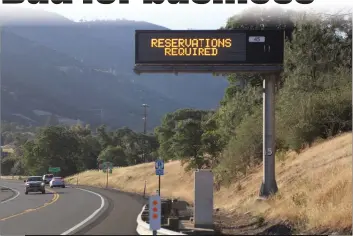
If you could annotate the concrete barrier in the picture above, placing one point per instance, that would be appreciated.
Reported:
(144, 229)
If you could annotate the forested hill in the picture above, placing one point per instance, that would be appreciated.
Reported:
(75, 70)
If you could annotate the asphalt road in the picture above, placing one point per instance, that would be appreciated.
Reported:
(120, 218)
(66, 211)
(6, 194)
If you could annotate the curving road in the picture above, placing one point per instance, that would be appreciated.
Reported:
(59, 211)
(67, 211)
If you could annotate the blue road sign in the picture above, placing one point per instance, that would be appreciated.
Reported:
(159, 164)
(159, 172)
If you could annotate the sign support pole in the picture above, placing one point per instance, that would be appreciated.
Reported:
(106, 185)
(154, 232)
(269, 185)
(159, 185)
(159, 166)
(144, 189)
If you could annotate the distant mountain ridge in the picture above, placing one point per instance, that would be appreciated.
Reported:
(74, 69)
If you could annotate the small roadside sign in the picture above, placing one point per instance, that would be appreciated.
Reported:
(155, 212)
(54, 169)
(159, 166)
(159, 172)
(107, 165)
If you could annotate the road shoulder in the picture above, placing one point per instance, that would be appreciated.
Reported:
(120, 216)
(98, 216)
(6, 193)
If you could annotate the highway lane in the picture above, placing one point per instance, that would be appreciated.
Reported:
(51, 213)
(69, 208)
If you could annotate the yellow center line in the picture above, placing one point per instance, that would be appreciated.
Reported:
(54, 199)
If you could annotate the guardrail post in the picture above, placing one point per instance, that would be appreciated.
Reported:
(144, 190)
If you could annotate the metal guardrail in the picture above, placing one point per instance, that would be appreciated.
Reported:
(144, 229)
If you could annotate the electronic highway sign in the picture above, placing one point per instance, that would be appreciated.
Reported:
(187, 50)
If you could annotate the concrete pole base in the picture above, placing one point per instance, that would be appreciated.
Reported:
(267, 190)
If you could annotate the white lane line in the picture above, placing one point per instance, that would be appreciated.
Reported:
(17, 194)
(67, 232)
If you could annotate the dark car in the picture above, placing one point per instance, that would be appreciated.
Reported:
(47, 178)
(35, 184)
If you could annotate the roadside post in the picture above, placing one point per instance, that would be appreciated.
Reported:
(107, 168)
(159, 167)
(144, 189)
(155, 213)
(106, 184)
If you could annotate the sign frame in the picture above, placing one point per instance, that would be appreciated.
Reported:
(253, 61)
(215, 69)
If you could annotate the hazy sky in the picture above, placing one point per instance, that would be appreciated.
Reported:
(208, 16)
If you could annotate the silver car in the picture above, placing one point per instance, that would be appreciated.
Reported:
(57, 182)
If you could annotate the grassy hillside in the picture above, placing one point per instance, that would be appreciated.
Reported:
(315, 190)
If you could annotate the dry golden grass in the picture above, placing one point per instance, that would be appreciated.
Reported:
(315, 187)
(15, 177)
(9, 150)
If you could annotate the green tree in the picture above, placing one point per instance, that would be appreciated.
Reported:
(104, 138)
(187, 143)
(55, 146)
(114, 155)
(180, 137)
(212, 140)
(313, 99)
